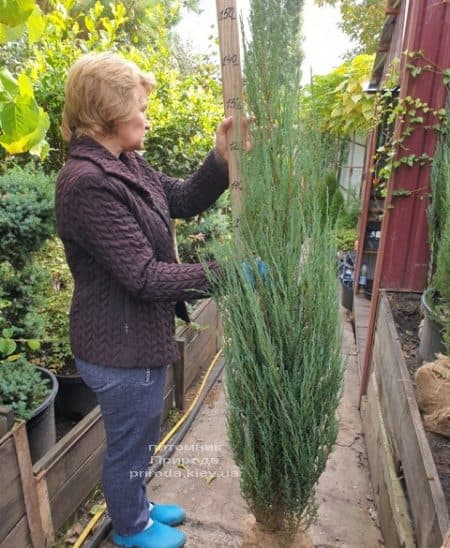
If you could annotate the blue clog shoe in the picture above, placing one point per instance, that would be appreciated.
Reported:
(169, 514)
(158, 535)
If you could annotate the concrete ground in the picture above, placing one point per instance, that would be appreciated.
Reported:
(202, 477)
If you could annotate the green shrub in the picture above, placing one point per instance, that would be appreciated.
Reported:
(27, 215)
(337, 206)
(442, 275)
(281, 321)
(21, 387)
(440, 183)
(36, 305)
(344, 238)
(182, 104)
(27, 220)
(330, 198)
(349, 214)
(183, 113)
(22, 292)
(195, 235)
(441, 278)
(439, 231)
(55, 351)
(327, 188)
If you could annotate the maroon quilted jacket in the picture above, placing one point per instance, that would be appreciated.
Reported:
(113, 218)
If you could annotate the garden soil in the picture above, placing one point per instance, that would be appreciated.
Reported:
(202, 476)
(255, 536)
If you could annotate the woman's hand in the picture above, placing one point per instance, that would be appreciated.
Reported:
(221, 136)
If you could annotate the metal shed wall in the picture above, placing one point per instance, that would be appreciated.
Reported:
(403, 261)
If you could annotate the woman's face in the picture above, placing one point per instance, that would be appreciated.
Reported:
(130, 134)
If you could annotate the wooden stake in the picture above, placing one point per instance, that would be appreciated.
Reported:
(230, 60)
(30, 495)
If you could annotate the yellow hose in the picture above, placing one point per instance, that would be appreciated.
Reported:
(87, 530)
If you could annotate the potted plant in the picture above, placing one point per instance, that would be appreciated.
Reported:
(279, 297)
(30, 392)
(26, 221)
(435, 332)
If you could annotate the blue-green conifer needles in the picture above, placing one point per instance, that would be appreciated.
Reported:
(282, 329)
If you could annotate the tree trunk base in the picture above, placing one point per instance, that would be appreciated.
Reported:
(256, 536)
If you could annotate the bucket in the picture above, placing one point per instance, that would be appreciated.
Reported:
(347, 296)
(431, 339)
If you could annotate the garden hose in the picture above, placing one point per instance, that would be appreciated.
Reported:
(174, 436)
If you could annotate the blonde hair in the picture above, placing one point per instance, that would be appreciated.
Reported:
(101, 90)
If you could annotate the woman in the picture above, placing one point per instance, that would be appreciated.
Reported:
(113, 216)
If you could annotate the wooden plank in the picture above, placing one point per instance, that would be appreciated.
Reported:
(66, 457)
(197, 347)
(28, 486)
(200, 345)
(73, 492)
(228, 27)
(404, 424)
(379, 354)
(401, 413)
(18, 537)
(391, 502)
(178, 375)
(12, 503)
(169, 379)
(68, 441)
(361, 310)
(219, 332)
(12, 506)
(9, 470)
(45, 509)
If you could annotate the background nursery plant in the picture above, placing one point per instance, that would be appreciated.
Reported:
(438, 293)
(281, 320)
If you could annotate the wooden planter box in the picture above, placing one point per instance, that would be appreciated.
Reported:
(67, 473)
(198, 345)
(37, 500)
(20, 523)
(398, 449)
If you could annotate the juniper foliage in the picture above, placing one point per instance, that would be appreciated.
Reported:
(437, 211)
(282, 329)
(439, 221)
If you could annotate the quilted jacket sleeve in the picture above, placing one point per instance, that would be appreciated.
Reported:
(101, 224)
(194, 195)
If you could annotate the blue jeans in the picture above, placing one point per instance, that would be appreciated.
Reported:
(131, 402)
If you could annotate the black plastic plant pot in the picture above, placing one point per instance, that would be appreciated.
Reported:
(75, 399)
(368, 289)
(41, 428)
(431, 338)
(347, 295)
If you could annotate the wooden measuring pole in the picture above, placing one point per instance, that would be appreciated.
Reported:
(230, 60)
